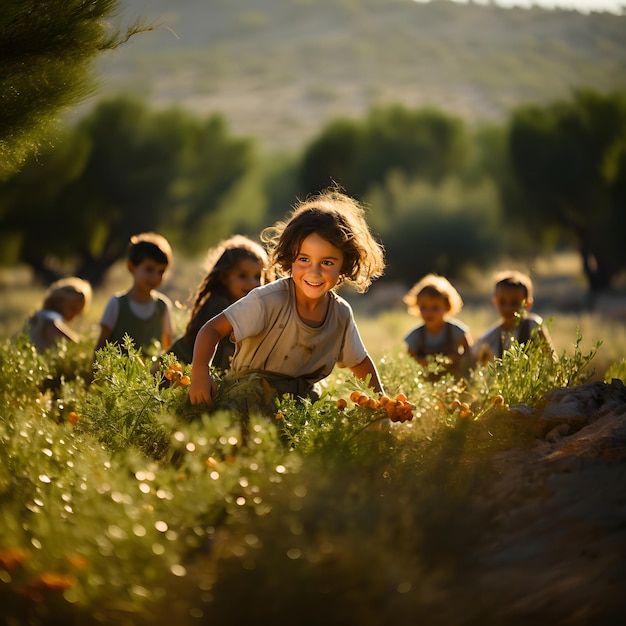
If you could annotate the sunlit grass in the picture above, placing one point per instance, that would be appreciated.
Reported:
(122, 503)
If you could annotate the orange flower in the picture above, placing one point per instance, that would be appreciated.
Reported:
(11, 558)
(77, 560)
(55, 581)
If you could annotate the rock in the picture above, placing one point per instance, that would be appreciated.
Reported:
(577, 407)
(555, 551)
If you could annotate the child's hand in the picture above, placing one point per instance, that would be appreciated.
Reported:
(202, 388)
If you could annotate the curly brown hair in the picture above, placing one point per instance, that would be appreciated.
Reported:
(340, 220)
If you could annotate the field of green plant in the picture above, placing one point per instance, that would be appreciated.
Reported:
(123, 504)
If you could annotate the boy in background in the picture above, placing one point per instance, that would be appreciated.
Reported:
(141, 312)
(513, 298)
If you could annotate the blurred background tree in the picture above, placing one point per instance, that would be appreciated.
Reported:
(123, 169)
(570, 160)
(425, 144)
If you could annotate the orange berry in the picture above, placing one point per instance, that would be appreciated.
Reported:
(72, 418)
(176, 367)
(341, 404)
(185, 380)
(401, 397)
(498, 400)
(362, 400)
(455, 404)
(383, 400)
(372, 403)
(11, 558)
(78, 561)
(56, 581)
(168, 374)
(355, 395)
(392, 410)
(405, 410)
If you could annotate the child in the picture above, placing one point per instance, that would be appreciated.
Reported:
(234, 268)
(66, 299)
(142, 312)
(437, 301)
(292, 332)
(513, 298)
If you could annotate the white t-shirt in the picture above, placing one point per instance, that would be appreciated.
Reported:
(270, 335)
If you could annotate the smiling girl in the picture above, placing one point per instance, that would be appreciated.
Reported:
(290, 333)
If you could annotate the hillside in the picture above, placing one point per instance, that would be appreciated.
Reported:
(278, 69)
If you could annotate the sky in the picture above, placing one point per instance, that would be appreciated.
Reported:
(584, 6)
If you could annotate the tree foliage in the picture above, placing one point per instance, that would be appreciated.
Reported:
(123, 169)
(425, 144)
(47, 50)
(570, 160)
(446, 228)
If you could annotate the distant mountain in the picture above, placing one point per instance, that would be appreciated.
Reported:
(279, 69)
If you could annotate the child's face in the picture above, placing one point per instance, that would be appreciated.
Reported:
(147, 275)
(432, 308)
(509, 301)
(317, 267)
(243, 278)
